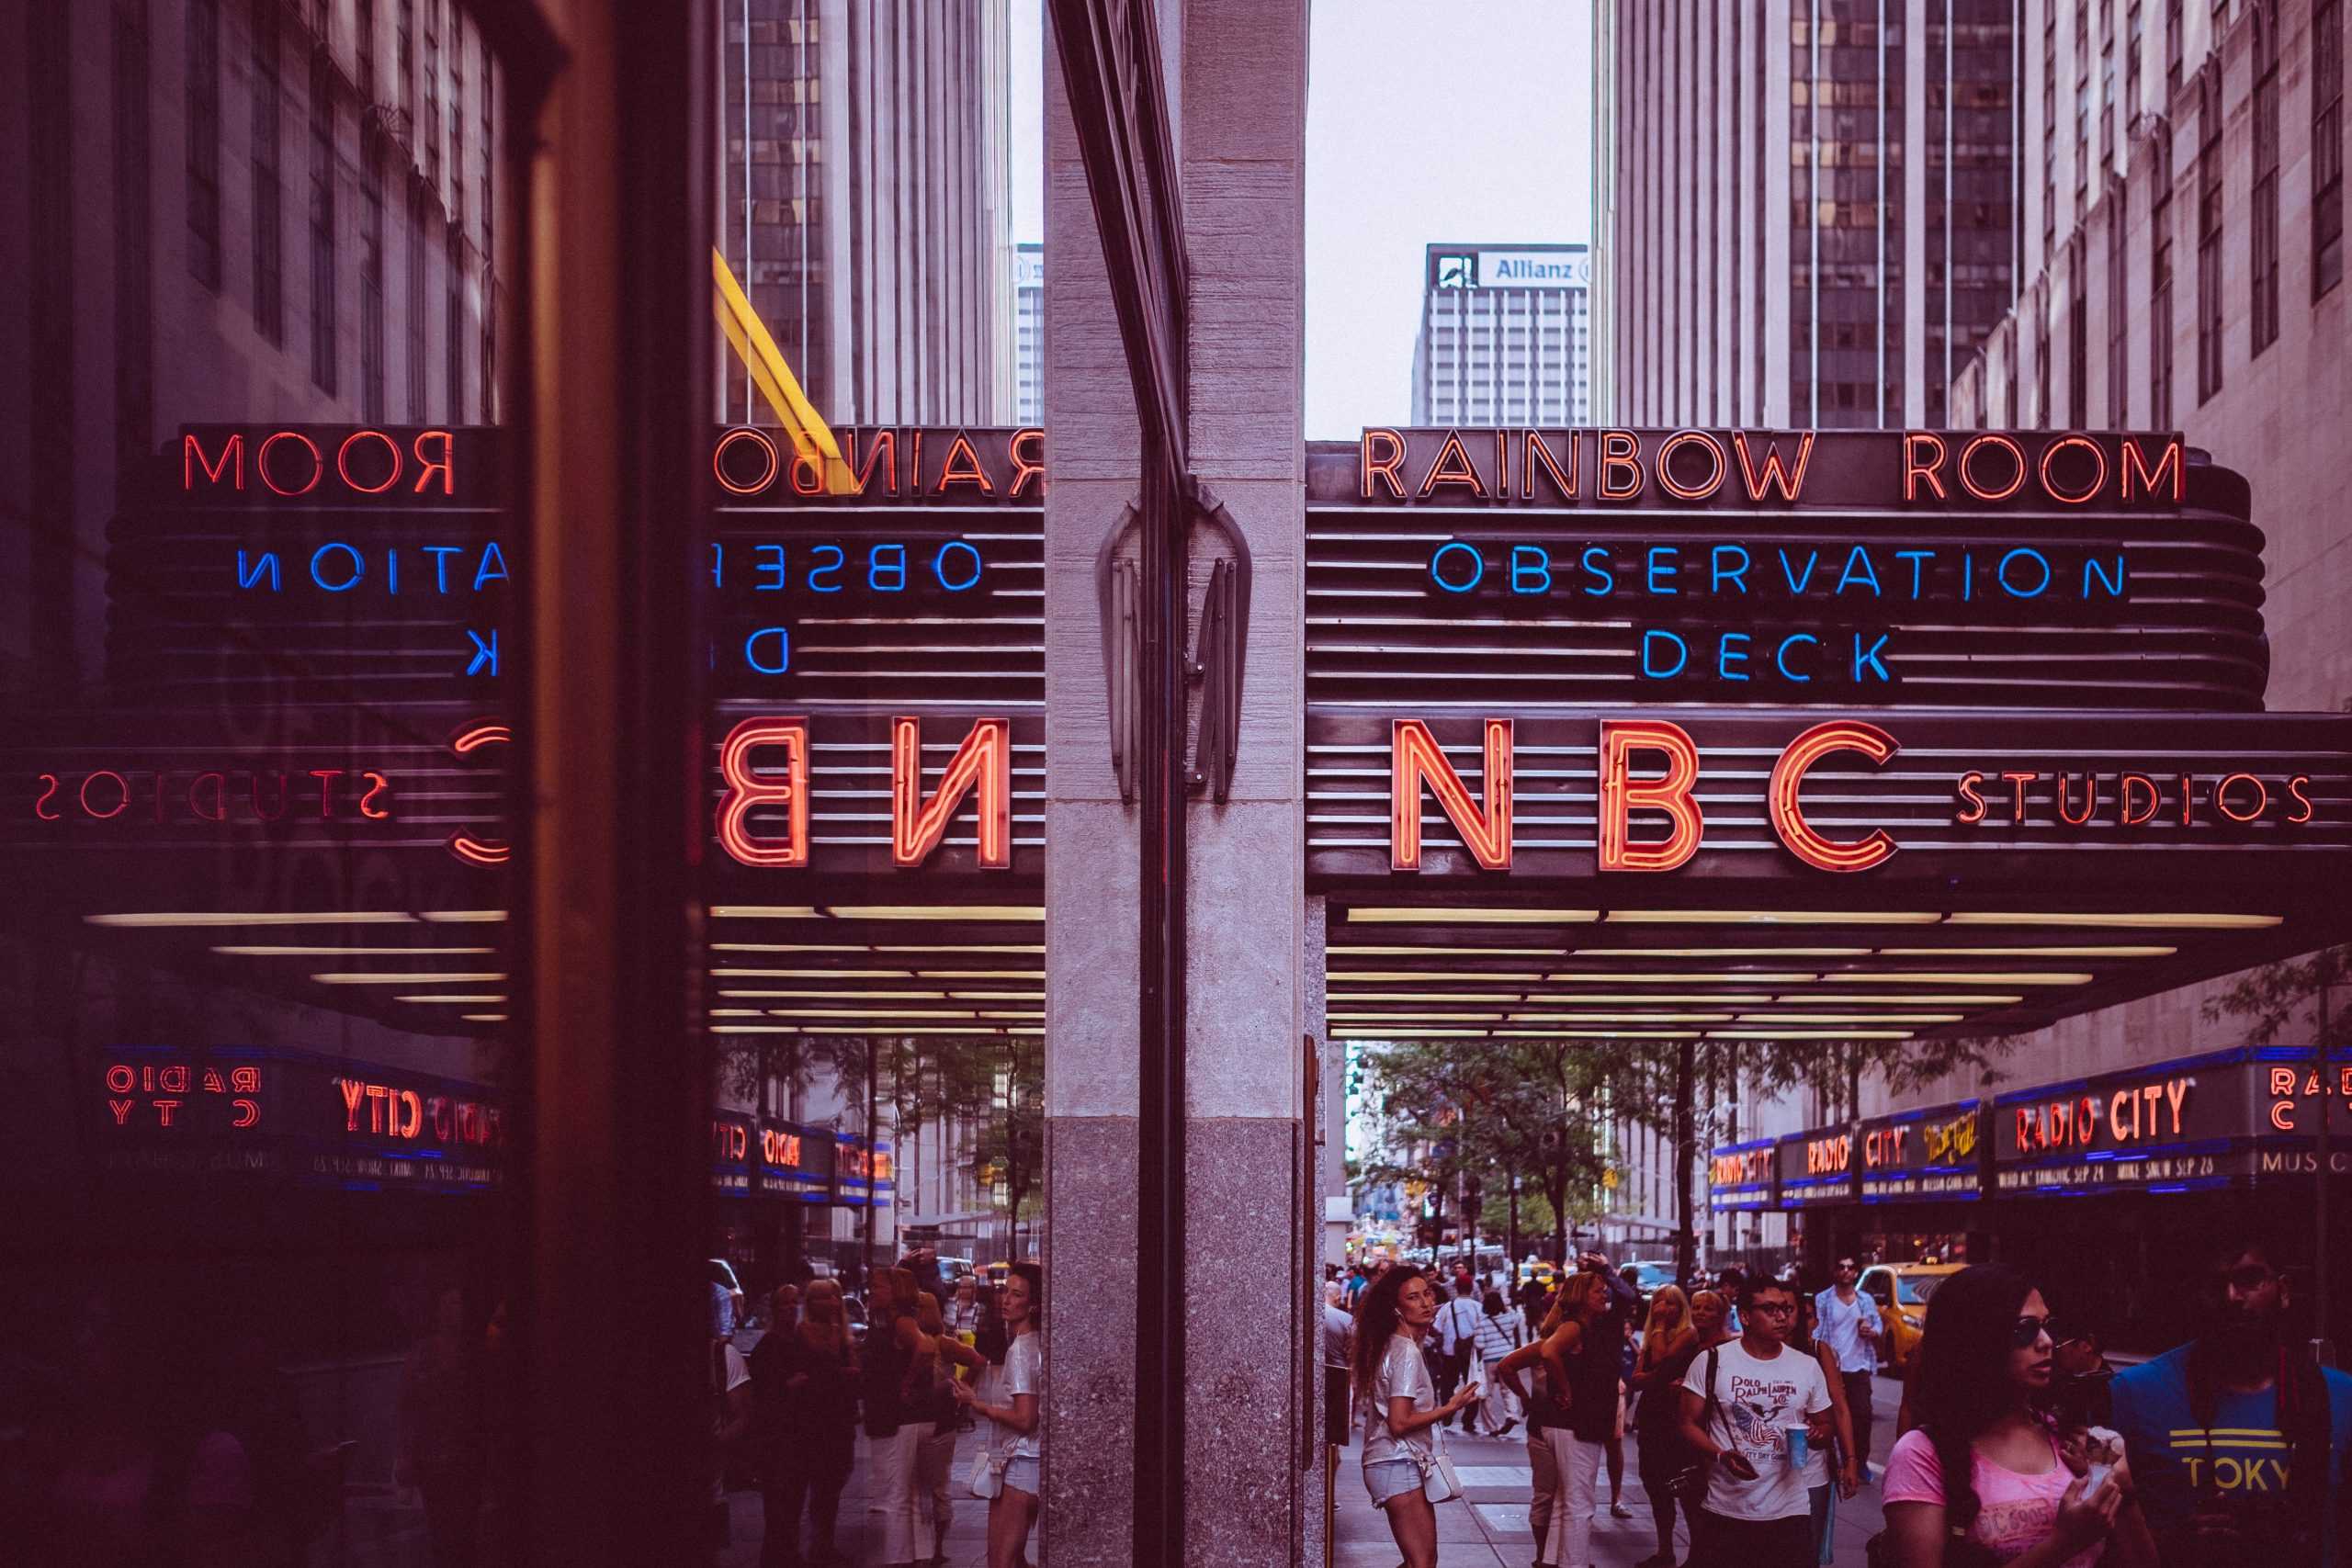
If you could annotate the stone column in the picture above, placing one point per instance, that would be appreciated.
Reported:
(1091, 899)
(1235, 73)
(1254, 1210)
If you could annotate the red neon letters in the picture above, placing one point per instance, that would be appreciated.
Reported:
(1670, 792)
(983, 762)
(1804, 841)
(1415, 759)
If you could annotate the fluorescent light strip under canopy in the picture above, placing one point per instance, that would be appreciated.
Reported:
(1810, 1034)
(1027, 913)
(268, 951)
(878, 947)
(2028, 951)
(1774, 917)
(2150, 919)
(1433, 949)
(468, 1001)
(1472, 916)
(354, 977)
(482, 1018)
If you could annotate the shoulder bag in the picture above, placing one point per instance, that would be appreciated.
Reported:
(1440, 1483)
(1688, 1484)
(987, 1479)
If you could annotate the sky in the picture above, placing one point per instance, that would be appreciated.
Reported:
(1426, 121)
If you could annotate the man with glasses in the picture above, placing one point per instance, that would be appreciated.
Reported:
(1846, 1321)
(1741, 1404)
(2237, 1438)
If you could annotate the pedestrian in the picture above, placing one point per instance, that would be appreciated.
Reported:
(2237, 1439)
(729, 1389)
(1457, 1334)
(1580, 1365)
(1011, 1396)
(1500, 1331)
(1398, 1398)
(1850, 1327)
(2081, 1395)
(933, 1402)
(1615, 1452)
(439, 1420)
(1984, 1465)
(1824, 1467)
(1741, 1400)
(1669, 1339)
(1729, 1281)
(803, 1400)
(896, 1364)
(1339, 1344)
(783, 1309)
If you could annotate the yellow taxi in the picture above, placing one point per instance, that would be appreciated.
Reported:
(1901, 1291)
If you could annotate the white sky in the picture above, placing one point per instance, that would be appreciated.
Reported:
(1427, 121)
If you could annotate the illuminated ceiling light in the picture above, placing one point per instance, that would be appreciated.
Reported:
(1958, 977)
(842, 974)
(1012, 1013)
(789, 947)
(1481, 976)
(2113, 918)
(1512, 1033)
(1651, 998)
(1774, 917)
(866, 1012)
(2034, 949)
(464, 917)
(1409, 1016)
(982, 974)
(266, 951)
(482, 1018)
(734, 1012)
(1683, 978)
(1623, 1018)
(996, 996)
(764, 911)
(960, 947)
(1852, 1017)
(1435, 951)
(352, 977)
(1361, 1033)
(199, 918)
(1471, 917)
(1728, 951)
(764, 1029)
(471, 1001)
(1810, 1034)
(1932, 998)
(1029, 912)
(868, 994)
(1428, 996)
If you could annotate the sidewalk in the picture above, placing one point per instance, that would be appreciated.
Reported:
(1487, 1528)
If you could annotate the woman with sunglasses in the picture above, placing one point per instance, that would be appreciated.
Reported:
(1983, 1478)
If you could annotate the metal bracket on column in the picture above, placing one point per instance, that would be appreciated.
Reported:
(1220, 651)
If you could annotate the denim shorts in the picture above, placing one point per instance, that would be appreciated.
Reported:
(1391, 1478)
(1021, 1473)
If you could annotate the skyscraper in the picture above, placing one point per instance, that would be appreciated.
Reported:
(1806, 209)
(1028, 333)
(865, 203)
(1505, 335)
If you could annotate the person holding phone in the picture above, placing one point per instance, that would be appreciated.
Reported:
(1984, 1476)
(1740, 1401)
(1397, 1400)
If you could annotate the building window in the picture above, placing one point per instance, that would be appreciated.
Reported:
(2133, 41)
(2042, 367)
(418, 216)
(323, 279)
(2264, 316)
(2208, 236)
(2118, 308)
(2160, 287)
(2327, 145)
(2175, 42)
(2078, 353)
(269, 228)
(134, 309)
(204, 142)
(371, 288)
(454, 337)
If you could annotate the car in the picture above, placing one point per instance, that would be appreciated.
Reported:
(1901, 1291)
(1650, 1278)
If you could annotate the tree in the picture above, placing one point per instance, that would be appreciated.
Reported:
(2277, 995)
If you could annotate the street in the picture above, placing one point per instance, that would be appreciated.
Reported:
(1488, 1527)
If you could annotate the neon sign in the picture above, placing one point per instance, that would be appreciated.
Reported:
(2126, 799)
(147, 1094)
(220, 796)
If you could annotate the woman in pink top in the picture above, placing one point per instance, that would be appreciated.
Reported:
(1984, 1473)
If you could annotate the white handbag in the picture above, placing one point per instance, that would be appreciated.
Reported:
(1438, 1482)
(987, 1479)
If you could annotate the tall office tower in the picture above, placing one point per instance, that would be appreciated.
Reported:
(865, 202)
(1804, 209)
(1028, 328)
(1505, 335)
(2184, 270)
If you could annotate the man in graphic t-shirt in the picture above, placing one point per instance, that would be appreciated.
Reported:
(2237, 1439)
(1739, 1402)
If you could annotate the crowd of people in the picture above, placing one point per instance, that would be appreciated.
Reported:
(935, 1360)
(1750, 1404)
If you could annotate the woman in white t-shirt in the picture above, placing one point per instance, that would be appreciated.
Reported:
(1396, 1399)
(1011, 1396)
(1983, 1464)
